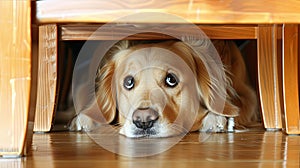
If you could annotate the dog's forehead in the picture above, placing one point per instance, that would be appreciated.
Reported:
(155, 57)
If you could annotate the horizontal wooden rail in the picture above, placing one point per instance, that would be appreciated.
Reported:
(199, 12)
(92, 32)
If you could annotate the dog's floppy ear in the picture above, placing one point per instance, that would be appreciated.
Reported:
(208, 84)
(105, 91)
(102, 101)
(105, 86)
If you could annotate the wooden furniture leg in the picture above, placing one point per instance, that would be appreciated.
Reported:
(269, 90)
(47, 78)
(290, 79)
(17, 78)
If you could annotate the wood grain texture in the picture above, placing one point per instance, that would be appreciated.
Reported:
(269, 90)
(290, 79)
(200, 11)
(15, 76)
(92, 32)
(248, 149)
(47, 78)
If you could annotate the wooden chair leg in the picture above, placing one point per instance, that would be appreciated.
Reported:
(269, 90)
(16, 78)
(47, 78)
(290, 79)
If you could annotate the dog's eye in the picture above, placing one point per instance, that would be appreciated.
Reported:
(128, 82)
(171, 80)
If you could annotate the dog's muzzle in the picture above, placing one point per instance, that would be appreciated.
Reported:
(144, 118)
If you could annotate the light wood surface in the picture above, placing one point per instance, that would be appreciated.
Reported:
(15, 77)
(200, 11)
(290, 78)
(47, 78)
(92, 31)
(269, 90)
(249, 149)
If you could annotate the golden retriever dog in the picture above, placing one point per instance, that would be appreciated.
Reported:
(163, 89)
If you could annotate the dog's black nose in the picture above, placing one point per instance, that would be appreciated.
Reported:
(144, 118)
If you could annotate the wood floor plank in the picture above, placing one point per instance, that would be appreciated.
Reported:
(248, 149)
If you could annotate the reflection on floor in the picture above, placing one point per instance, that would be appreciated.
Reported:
(247, 149)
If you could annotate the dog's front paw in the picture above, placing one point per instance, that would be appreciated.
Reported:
(213, 123)
(82, 123)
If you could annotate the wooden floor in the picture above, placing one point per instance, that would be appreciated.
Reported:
(247, 149)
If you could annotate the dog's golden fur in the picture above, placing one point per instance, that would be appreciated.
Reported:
(194, 95)
(235, 66)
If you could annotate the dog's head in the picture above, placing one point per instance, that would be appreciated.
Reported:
(155, 90)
